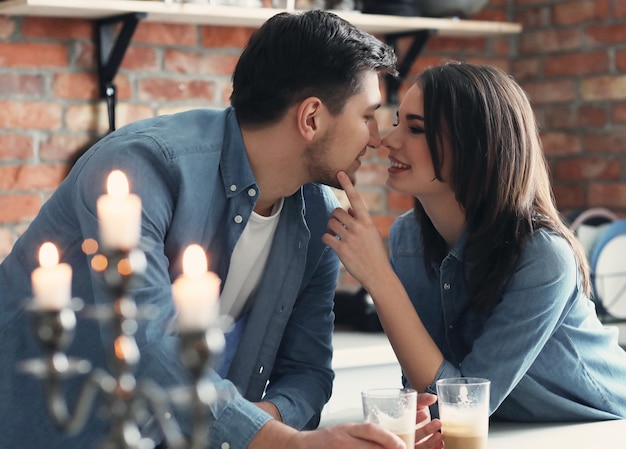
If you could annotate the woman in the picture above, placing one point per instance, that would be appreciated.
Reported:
(485, 280)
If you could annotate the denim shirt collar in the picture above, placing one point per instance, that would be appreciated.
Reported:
(234, 163)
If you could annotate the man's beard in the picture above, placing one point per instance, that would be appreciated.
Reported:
(317, 162)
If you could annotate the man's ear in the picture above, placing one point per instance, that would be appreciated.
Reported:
(309, 117)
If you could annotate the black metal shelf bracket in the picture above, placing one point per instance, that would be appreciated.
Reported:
(420, 37)
(113, 36)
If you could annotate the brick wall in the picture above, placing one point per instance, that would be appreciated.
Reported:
(571, 58)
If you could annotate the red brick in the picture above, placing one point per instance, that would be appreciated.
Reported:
(587, 168)
(557, 116)
(140, 58)
(456, 45)
(383, 223)
(85, 54)
(609, 142)
(64, 147)
(17, 208)
(550, 91)
(607, 195)
(7, 26)
(82, 86)
(225, 37)
(589, 115)
(15, 146)
(605, 34)
(31, 55)
(203, 64)
(603, 88)
(94, 117)
(398, 202)
(580, 63)
(29, 178)
(619, 9)
(372, 175)
(21, 84)
(531, 18)
(372, 198)
(572, 196)
(521, 3)
(620, 60)
(550, 41)
(166, 34)
(570, 13)
(560, 143)
(6, 242)
(618, 113)
(501, 46)
(29, 115)
(526, 68)
(424, 62)
(57, 28)
(176, 89)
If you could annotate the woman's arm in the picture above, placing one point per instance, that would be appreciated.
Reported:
(369, 264)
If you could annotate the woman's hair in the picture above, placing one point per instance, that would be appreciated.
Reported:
(497, 170)
(295, 56)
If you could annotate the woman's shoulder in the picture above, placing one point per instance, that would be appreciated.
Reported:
(548, 252)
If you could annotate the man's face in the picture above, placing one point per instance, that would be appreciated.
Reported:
(348, 136)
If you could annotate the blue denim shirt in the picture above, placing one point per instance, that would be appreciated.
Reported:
(196, 185)
(546, 353)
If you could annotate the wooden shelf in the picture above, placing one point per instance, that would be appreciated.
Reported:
(206, 14)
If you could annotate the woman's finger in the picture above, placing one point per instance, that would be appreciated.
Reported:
(353, 196)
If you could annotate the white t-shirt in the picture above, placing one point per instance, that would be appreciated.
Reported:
(248, 261)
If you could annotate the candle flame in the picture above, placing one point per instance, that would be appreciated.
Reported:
(117, 184)
(194, 261)
(48, 255)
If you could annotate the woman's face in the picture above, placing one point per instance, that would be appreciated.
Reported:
(411, 171)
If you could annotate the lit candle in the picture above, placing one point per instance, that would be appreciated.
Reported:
(52, 281)
(119, 214)
(196, 291)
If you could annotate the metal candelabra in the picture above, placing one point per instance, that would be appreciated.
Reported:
(128, 401)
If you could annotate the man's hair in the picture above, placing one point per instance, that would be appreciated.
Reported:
(296, 56)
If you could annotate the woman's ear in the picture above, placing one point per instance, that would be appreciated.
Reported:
(309, 117)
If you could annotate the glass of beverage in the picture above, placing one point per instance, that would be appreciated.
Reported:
(393, 409)
(464, 412)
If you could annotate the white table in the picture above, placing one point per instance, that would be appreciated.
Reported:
(593, 435)
(367, 360)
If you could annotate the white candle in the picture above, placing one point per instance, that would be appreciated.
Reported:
(119, 214)
(52, 281)
(196, 291)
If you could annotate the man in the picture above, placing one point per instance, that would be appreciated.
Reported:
(245, 184)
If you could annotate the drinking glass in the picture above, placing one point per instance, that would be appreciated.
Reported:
(464, 412)
(393, 409)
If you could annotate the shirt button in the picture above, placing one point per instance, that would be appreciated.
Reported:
(446, 286)
(251, 192)
(233, 188)
(225, 445)
(261, 369)
(238, 219)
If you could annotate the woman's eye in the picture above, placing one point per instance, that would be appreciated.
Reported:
(416, 130)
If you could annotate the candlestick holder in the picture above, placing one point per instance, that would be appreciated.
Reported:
(127, 400)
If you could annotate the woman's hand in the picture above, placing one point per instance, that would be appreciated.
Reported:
(355, 238)
(427, 431)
